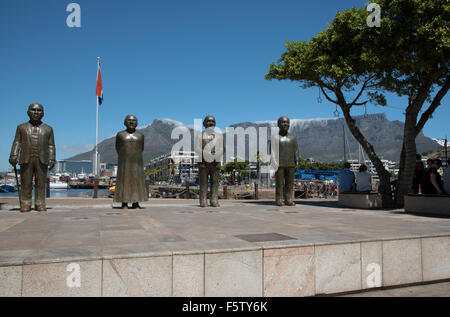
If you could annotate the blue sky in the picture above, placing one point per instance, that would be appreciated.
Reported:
(173, 59)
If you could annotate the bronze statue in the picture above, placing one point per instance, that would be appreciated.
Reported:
(211, 153)
(34, 149)
(130, 184)
(285, 156)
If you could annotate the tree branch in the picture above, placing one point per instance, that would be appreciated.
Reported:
(434, 104)
(418, 100)
(326, 96)
(359, 103)
(354, 102)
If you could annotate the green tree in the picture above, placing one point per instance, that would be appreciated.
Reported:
(420, 44)
(235, 166)
(304, 164)
(353, 65)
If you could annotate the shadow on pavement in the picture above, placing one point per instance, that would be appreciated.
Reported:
(328, 204)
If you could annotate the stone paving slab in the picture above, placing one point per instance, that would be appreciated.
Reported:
(313, 248)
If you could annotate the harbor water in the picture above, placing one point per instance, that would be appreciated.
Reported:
(87, 193)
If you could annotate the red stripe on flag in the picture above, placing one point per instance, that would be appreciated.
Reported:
(99, 84)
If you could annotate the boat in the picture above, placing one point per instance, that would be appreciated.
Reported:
(59, 185)
(7, 188)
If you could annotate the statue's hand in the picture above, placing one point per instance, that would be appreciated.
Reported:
(13, 160)
(51, 164)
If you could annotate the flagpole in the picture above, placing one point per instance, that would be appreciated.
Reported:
(96, 128)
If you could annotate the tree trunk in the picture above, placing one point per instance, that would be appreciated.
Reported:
(385, 177)
(409, 141)
(401, 168)
(406, 173)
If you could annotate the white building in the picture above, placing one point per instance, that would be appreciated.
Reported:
(180, 166)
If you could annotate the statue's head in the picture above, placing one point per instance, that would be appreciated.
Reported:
(209, 122)
(283, 123)
(131, 122)
(35, 112)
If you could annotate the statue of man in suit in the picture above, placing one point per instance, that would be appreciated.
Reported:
(34, 149)
(285, 158)
(209, 147)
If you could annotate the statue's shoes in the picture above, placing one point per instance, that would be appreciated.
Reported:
(124, 206)
(215, 204)
(203, 204)
(290, 203)
(136, 206)
(40, 208)
(25, 209)
(279, 203)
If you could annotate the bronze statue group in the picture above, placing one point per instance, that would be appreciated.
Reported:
(34, 150)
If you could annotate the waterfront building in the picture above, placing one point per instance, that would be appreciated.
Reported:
(178, 167)
(73, 167)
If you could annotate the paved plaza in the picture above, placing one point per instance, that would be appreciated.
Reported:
(325, 248)
(100, 227)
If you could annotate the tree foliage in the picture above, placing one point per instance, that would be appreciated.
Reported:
(304, 164)
(235, 165)
(354, 65)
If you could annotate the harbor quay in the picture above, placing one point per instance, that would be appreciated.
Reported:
(244, 248)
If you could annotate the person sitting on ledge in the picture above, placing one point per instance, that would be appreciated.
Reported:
(429, 163)
(446, 180)
(346, 179)
(433, 181)
(363, 180)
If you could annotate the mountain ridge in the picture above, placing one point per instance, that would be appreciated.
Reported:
(320, 138)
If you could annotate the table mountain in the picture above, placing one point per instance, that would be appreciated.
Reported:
(321, 139)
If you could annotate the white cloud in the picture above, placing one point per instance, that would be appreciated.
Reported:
(76, 148)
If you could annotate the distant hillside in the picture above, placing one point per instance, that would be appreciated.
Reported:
(439, 154)
(157, 142)
(321, 139)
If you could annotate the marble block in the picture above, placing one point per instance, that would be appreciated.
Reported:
(289, 272)
(402, 262)
(436, 258)
(65, 279)
(150, 276)
(337, 268)
(371, 264)
(188, 279)
(235, 274)
(10, 281)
